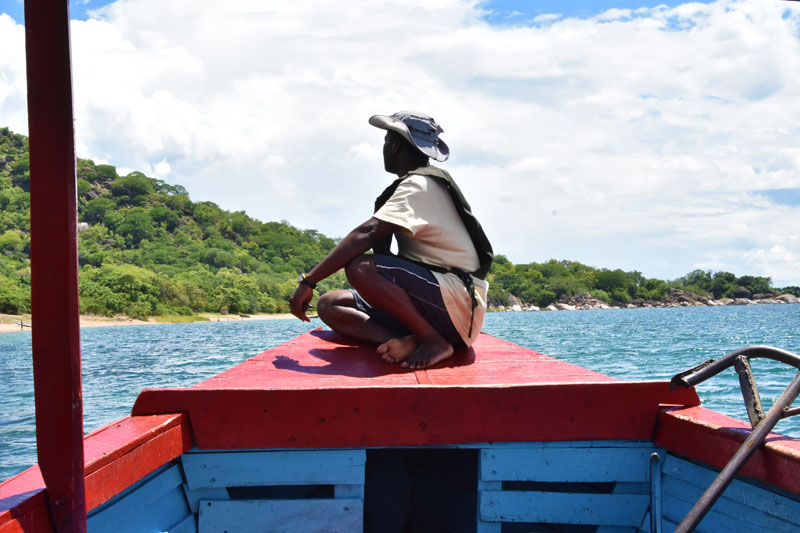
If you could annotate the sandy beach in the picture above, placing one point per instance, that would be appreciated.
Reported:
(10, 323)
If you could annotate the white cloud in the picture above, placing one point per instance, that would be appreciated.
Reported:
(162, 169)
(632, 139)
(13, 106)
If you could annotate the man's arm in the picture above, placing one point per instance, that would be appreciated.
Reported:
(354, 244)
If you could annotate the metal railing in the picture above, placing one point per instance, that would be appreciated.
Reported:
(762, 423)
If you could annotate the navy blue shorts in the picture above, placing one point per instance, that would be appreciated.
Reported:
(423, 288)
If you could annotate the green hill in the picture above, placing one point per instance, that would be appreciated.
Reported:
(145, 248)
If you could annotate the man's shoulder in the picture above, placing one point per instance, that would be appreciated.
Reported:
(415, 181)
(431, 171)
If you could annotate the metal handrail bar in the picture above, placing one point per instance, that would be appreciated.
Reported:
(655, 493)
(712, 367)
(761, 428)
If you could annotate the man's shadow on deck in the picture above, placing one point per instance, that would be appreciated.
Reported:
(352, 359)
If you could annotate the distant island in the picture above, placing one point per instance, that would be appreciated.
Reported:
(146, 249)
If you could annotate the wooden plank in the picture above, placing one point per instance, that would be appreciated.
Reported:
(419, 415)
(321, 359)
(117, 456)
(757, 513)
(22, 497)
(675, 509)
(564, 508)
(568, 465)
(109, 443)
(188, 525)
(571, 444)
(252, 469)
(742, 493)
(489, 527)
(33, 516)
(712, 438)
(281, 516)
(54, 261)
(193, 497)
(155, 504)
(666, 524)
(155, 450)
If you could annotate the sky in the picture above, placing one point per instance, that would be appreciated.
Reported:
(652, 136)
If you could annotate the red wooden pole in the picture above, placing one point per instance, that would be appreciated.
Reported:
(54, 262)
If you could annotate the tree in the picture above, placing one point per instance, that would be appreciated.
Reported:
(135, 226)
(723, 284)
(95, 210)
(165, 216)
(14, 299)
(609, 280)
(107, 172)
(755, 284)
(133, 185)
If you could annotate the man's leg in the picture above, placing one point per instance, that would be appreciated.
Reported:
(381, 293)
(339, 311)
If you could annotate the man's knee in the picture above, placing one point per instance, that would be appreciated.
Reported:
(328, 302)
(359, 269)
(324, 304)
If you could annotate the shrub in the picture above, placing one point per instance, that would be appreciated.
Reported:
(545, 298)
(13, 299)
(620, 295)
(601, 295)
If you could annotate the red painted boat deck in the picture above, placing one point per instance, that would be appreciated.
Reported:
(322, 359)
(320, 391)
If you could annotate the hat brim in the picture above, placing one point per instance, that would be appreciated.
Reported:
(439, 151)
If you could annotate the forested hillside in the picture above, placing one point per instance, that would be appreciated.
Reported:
(145, 248)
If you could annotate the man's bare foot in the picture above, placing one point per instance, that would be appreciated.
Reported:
(397, 350)
(428, 353)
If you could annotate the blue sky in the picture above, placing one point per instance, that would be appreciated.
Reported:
(663, 143)
(504, 11)
(520, 11)
(78, 9)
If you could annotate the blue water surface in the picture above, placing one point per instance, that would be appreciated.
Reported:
(632, 344)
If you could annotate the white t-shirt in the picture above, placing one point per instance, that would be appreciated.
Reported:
(435, 235)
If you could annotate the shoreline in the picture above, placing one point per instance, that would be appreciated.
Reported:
(10, 323)
(676, 298)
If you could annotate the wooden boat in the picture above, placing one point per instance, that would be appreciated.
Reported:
(321, 435)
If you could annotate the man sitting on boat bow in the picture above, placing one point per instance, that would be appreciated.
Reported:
(430, 299)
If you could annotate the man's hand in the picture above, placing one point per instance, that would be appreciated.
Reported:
(299, 302)
(354, 244)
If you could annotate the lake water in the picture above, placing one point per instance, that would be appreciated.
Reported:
(634, 344)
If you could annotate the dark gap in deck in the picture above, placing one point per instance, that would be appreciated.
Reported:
(281, 492)
(420, 490)
(546, 528)
(567, 487)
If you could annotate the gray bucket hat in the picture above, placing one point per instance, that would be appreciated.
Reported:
(417, 128)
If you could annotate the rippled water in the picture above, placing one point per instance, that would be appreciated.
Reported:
(629, 344)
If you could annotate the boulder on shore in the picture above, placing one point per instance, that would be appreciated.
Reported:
(674, 298)
(742, 292)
